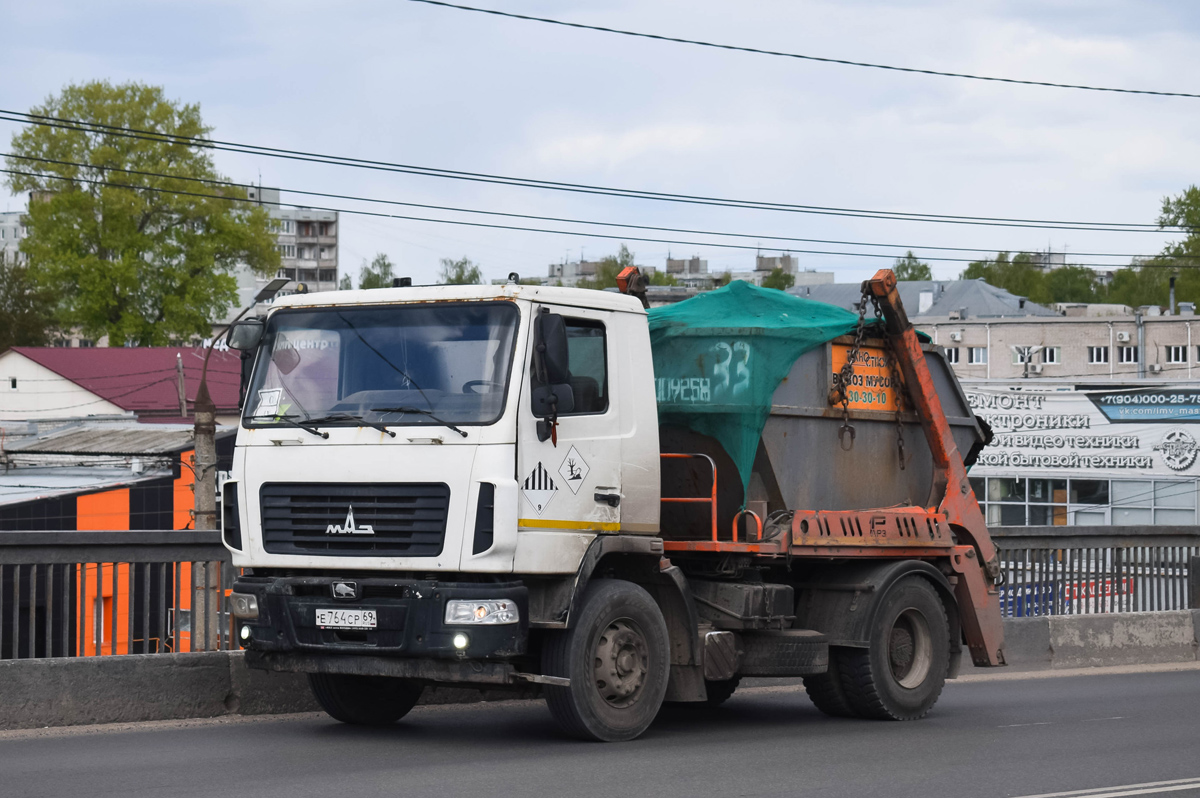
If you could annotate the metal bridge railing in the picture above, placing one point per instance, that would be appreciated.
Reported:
(1084, 570)
(145, 592)
(95, 593)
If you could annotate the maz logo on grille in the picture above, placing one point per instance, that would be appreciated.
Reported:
(349, 528)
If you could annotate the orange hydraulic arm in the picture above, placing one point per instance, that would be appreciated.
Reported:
(978, 564)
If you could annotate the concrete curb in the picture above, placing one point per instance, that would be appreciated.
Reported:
(78, 691)
(71, 691)
(1088, 641)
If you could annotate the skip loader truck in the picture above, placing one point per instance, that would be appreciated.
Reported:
(553, 487)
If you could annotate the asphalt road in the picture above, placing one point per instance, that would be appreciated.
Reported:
(1106, 734)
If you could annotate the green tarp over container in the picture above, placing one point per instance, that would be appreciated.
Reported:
(719, 357)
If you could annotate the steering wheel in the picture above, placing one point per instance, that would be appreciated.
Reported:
(493, 387)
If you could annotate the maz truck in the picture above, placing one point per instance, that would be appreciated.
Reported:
(555, 488)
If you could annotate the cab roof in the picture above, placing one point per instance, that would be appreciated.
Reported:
(554, 295)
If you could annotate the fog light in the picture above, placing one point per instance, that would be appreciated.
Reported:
(461, 641)
(245, 634)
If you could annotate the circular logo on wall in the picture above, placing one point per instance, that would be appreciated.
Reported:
(1178, 449)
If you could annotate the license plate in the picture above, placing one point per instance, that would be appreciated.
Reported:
(346, 619)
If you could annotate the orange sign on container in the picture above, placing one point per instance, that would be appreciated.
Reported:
(873, 385)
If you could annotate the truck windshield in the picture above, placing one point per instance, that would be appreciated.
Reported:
(436, 364)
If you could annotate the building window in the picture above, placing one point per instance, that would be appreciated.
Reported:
(977, 355)
(325, 253)
(87, 343)
(12, 383)
(1176, 354)
(328, 275)
(1098, 354)
(1126, 354)
(287, 250)
(952, 355)
(1051, 355)
(287, 226)
(326, 228)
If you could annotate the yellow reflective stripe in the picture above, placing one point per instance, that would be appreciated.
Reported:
(596, 526)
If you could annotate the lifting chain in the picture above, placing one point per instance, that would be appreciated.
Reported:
(844, 378)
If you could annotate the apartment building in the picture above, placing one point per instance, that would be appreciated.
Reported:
(12, 230)
(307, 240)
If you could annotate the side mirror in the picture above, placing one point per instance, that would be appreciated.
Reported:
(550, 400)
(246, 335)
(551, 348)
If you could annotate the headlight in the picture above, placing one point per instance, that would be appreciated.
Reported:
(488, 611)
(243, 605)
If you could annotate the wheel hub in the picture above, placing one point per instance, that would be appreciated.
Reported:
(910, 649)
(621, 662)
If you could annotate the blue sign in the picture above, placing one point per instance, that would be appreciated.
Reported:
(1148, 405)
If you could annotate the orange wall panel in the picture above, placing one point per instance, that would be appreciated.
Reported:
(106, 510)
(184, 496)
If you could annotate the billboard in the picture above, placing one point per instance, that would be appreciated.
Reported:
(1120, 432)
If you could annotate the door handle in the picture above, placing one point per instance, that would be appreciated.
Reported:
(611, 499)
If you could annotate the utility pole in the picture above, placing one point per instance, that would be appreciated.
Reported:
(205, 595)
(181, 386)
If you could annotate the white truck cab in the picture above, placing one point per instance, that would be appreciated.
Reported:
(393, 430)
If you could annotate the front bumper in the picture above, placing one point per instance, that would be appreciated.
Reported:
(409, 615)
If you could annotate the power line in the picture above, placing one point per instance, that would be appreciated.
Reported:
(798, 56)
(517, 228)
(580, 188)
(691, 231)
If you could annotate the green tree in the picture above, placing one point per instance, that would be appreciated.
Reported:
(663, 278)
(723, 279)
(121, 253)
(1072, 284)
(909, 268)
(460, 272)
(780, 279)
(26, 309)
(376, 274)
(1019, 275)
(346, 283)
(608, 269)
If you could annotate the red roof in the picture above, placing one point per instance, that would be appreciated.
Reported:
(143, 379)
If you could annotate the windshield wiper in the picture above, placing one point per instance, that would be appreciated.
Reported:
(305, 425)
(351, 417)
(423, 412)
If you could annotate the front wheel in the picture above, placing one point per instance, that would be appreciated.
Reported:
(364, 700)
(616, 656)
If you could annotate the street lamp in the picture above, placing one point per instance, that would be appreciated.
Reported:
(204, 483)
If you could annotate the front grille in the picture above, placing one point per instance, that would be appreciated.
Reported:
(406, 519)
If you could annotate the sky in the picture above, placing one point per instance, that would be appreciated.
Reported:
(410, 83)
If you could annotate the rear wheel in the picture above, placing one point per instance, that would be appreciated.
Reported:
(616, 656)
(722, 691)
(364, 700)
(826, 691)
(901, 674)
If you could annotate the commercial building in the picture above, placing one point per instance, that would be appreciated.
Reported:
(1071, 453)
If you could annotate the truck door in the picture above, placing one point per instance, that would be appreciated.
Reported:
(574, 486)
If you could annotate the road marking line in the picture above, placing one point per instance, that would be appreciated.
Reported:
(1120, 791)
(1097, 720)
(1019, 725)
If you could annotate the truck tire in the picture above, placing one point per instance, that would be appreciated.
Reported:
(364, 700)
(902, 672)
(722, 691)
(825, 689)
(616, 656)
